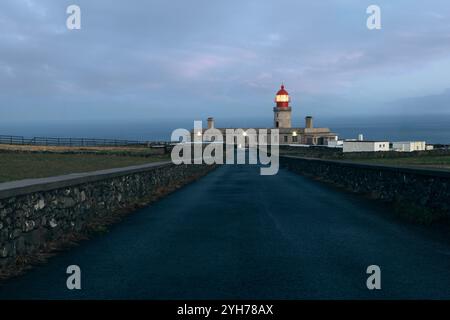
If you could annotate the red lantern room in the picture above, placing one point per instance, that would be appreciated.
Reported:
(282, 98)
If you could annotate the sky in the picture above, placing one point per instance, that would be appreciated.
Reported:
(167, 59)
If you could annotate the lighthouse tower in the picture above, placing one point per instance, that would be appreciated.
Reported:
(282, 111)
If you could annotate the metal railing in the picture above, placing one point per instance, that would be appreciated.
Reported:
(74, 142)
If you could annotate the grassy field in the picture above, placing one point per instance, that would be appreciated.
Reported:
(17, 165)
(442, 162)
(131, 151)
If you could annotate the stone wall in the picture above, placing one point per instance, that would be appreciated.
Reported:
(34, 214)
(336, 153)
(421, 194)
(311, 151)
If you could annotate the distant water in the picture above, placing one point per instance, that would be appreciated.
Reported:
(433, 129)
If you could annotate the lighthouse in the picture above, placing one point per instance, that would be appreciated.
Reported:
(287, 135)
(282, 110)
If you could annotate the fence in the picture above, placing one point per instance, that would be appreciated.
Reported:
(73, 142)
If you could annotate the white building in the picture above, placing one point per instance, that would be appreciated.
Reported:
(365, 146)
(409, 146)
(335, 143)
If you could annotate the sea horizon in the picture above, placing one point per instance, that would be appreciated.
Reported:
(433, 129)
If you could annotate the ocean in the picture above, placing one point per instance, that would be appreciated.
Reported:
(432, 129)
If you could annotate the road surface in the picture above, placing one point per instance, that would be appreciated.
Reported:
(237, 235)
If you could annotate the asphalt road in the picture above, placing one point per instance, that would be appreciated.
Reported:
(235, 234)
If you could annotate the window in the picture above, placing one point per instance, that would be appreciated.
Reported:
(285, 138)
(294, 138)
(282, 98)
(277, 125)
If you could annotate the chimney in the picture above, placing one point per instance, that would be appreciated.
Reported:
(210, 123)
(308, 122)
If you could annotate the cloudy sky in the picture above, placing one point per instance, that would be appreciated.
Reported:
(196, 58)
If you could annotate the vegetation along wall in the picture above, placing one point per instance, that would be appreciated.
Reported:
(421, 194)
(38, 214)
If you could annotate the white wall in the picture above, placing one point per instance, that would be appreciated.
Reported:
(409, 146)
(365, 146)
(335, 143)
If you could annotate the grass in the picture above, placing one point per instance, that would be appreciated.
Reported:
(442, 162)
(18, 166)
(130, 151)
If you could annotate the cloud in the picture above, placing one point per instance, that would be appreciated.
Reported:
(430, 104)
(219, 58)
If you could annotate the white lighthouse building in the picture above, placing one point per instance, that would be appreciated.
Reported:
(282, 113)
(282, 110)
